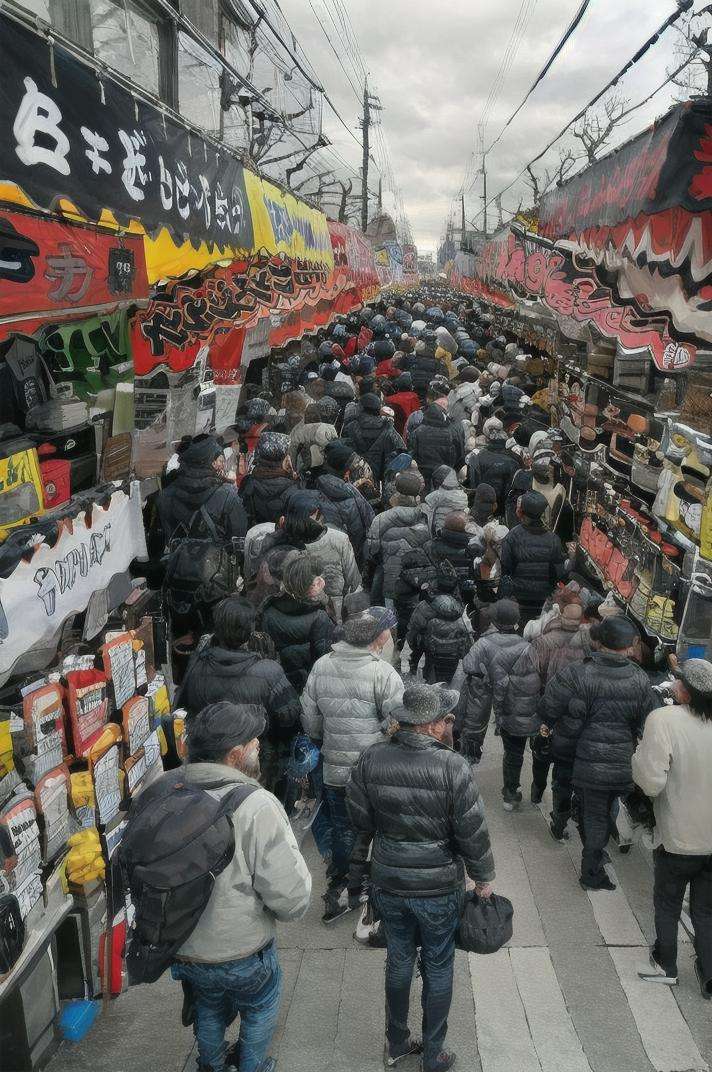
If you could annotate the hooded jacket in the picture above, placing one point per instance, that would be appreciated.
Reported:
(307, 442)
(596, 709)
(533, 561)
(346, 704)
(445, 638)
(561, 643)
(266, 880)
(193, 488)
(331, 549)
(403, 404)
(342, 506)
(264, 492)
(242, 677)
(302, 632)
(464, 401)
(418, 801)
(374, 437)
(393, 534)
(436, 441)
(424, 370)
(449, 498)
(485, 672)
(493, 465)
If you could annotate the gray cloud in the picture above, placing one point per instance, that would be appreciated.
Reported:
(433, 65)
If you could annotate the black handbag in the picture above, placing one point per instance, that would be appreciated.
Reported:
(485, 924)
(12, 932)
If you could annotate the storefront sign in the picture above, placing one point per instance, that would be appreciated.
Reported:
(57, 582)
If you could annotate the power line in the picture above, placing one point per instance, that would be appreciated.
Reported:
(545, 69)
(333, 49)
(684, 6)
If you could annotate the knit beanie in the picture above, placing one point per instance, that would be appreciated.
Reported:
(505, 614)
(272, 447)
(409, 483)
(468, 374)
(338, 455)
(616, 633)
(200, 451)
(533, 505)
(370, 403)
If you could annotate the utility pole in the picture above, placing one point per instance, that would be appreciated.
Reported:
(380, 195)
(370, 104)
(462, 225)
(484, 192)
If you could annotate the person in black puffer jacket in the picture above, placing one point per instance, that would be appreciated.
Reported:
(532, 557)
(417, 800)
(296, 619)
(431, 582)
(372, 435)
(264, 490)
(455, 545)
(426, 365)
(225, 669)
(329, 490)
(446, 639)
(493, 465)
(437, 441)
(200, 483)
(594, 710)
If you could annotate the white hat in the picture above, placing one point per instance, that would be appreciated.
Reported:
(493, 428)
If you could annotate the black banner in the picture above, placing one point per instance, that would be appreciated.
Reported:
(65, 133)
(667, 166)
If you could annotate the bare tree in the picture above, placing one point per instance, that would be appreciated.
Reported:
(693, 52)
(552, 176)
(595, 129)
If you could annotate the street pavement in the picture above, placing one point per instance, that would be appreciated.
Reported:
(562, 997)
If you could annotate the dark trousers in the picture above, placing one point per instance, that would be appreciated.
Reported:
(597, 823)
(514, 757)
(431, 923)
(561, 791)
(343, 834)
(672, 874)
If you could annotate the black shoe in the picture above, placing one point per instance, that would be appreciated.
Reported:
(511, 798)
(705, 985)
(558, 832)
(337, 904)
(602, 883)
(537, 793)
(392, 1057)
(442, 1063)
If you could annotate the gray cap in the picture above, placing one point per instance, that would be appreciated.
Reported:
(425, 703)
(697, 673)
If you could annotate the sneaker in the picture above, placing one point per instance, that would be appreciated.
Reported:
(602, 883)
(442, 1062)
(337, 904)
(558, 832)
(537, 793)
(511, 798)
(705, 985)
(411, 1046)
(656, 974)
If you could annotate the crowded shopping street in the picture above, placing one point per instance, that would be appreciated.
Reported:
(355, 584)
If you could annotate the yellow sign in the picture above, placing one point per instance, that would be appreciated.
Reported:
(21, 490)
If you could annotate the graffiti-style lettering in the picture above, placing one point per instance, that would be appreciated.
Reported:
(72, 273)
(97, 146)
(55, 581)
(39, 115)
(134, 175)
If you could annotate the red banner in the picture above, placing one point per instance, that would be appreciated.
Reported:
(51, 270)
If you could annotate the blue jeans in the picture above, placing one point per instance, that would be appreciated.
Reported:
(251, 987)
(343, 834)
(431, 923)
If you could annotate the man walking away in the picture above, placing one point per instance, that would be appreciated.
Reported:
(596, 709)
(418, 801)
(673, 765)
(533, 559)
(229, 962)
(346, 705)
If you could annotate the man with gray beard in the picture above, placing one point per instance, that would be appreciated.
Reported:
(229, 963)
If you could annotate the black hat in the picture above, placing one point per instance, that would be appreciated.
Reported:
(370, 403)
(338, 455)
(222, 726)
(533, 505)
(505, 613)
(201, 451)
(616, 633)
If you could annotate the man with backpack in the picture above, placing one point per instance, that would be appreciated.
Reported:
(211, 855)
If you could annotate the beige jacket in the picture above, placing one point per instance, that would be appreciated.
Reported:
(673, 765)
(268, 879)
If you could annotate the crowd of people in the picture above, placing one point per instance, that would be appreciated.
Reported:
(374, 568)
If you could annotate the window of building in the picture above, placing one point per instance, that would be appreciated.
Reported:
(73, 19)
(204, 15)
(127, 37)
(198, 85)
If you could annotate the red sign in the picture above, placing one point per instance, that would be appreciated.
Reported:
(50, 269)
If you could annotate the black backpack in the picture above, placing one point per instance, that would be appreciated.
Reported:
(201, 565)
(177, 841)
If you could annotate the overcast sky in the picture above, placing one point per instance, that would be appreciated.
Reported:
(433, 64)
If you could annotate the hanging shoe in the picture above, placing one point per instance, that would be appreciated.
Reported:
(392, 1055)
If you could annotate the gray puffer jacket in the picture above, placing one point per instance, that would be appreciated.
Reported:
(561, 644)
(449, 498)
(392, 534)
(486, 669)
(346, 703)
